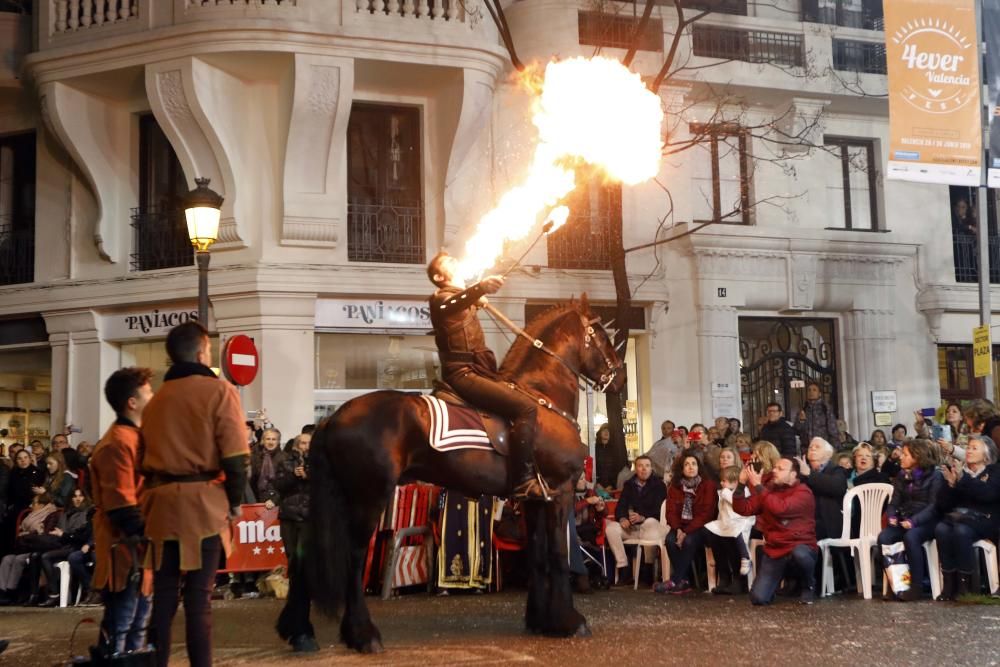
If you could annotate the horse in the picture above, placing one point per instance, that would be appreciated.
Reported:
(373, 442)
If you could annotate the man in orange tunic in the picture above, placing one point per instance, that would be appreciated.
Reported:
(116, 483)
(195, 458)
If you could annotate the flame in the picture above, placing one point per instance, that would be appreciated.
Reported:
(592, 110)
(557, 217)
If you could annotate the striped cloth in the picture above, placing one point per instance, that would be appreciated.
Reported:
(454, 426)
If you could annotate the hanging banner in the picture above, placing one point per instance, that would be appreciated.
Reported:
(991, 30)
(934, 104)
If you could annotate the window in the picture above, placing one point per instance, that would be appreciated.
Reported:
(720, 174)
(863, 57)
(964, 215)
(615, 31)
(370, 361)
(584, 242)
(851, 185)
(159, 230)
(752, 46)
(385, 208)
(17, 209)
(866, 14)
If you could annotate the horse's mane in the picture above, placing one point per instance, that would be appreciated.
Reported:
(541, 323)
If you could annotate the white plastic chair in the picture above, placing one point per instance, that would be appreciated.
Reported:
(639, 544)
(64, 582)
(990, 556)
(934, 566)
(872, 498)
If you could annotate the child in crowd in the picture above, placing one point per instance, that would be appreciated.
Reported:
(729, 523)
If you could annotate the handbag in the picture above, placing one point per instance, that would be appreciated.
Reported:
(897, 567)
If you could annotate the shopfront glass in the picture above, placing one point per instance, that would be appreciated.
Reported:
(636, 440)
(152, 354)
(25, 396)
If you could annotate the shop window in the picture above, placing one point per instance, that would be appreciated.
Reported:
(25, 394)
(159, 231)
(720, 174)
(584, 242)
(371, 361)
(851, 185)
(152, 354)
(17, 209)
(964, 204)
(385, 210)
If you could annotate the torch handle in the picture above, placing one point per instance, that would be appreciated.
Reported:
(545, 230)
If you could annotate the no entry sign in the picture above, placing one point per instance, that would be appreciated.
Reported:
(240, 360)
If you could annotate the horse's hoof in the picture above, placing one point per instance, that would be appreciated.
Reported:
(372, 647)
(583, 631)
(304, 644)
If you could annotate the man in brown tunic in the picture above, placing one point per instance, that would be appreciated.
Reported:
(116, 484)
(194, 457)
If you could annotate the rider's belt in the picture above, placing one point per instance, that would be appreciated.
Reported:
(160, 478)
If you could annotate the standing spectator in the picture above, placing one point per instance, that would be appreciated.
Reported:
(25, 478)
(898, 435)
(664, 450)
(638, 511)
(292, 483)
(606, 469)
(828, 482)
(195, 460)
(264, 463)
(787, 517)
(59, 484)
(691, 503)
(73, 533)
(816, 418)
(116, 483)
(970, 507)
(912, 513)
(779, 432)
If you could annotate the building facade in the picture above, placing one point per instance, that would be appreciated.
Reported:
(353, 139)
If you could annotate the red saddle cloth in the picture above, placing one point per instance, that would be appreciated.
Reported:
(454, 426)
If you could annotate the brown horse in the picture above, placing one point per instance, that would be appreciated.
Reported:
(376, 441)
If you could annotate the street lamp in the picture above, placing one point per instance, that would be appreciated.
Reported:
(202, 208)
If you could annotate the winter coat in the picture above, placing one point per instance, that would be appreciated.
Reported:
(76, 527)
(914, 499)
(829, 485)
(293, 491)
(729, 523)
(19, 493)
(644, 500)
(979, 494)
(786, 515)
(64, 491)
(703, 510)
(780, 434)
(270, 492)
(873, 476)
(820, 422)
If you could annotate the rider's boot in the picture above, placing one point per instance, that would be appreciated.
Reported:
(527, 483)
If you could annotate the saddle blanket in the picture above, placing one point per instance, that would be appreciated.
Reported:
(455, 426)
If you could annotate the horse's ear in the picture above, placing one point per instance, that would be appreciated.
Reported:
(585, 302)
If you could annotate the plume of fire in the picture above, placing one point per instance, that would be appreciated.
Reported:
(591, 110)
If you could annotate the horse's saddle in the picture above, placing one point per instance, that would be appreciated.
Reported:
(457, 424)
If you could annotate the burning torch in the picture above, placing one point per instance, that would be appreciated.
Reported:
(556, 219)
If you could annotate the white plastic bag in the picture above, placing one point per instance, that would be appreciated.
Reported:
(897, 567)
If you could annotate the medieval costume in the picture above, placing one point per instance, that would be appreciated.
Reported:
(465, 558)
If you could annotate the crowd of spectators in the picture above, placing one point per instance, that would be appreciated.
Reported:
(785, 490)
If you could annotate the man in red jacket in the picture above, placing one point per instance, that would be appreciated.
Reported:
(787, 517)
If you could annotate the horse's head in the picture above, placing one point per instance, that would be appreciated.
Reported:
(599, 361)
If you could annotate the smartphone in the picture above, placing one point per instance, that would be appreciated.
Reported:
(757, 466)
(928, 412)
(941, 432)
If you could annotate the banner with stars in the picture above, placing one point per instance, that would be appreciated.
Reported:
(257, 544)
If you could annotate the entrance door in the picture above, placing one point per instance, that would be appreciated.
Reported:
(777, 352)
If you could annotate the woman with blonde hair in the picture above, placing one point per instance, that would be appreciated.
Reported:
(60, 484)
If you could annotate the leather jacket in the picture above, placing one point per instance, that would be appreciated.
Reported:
(459, 337)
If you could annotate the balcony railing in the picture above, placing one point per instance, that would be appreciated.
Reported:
(17, 254)
(752, 46)
(862, 57)
(160, 239)
(614, 31)
(867, 18)
(584, 243)
(966, 249)
(72, 15)
(385, 233)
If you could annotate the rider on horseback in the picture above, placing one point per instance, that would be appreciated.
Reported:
(471, 368)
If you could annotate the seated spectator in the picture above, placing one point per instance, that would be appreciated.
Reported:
(912, 513)
(728, 458)
(664, 450)
(589, 511)
(954, 445)
(898, 435)
(691, 503)
(638, 512)
(765, 456)
(24, 483)
(787, 518)
(33, 536)
(828, 482)
(878, 439)
(969, 505)
(864, 470)
(779, 431)
(726, 535)
(73, 532)
(60, 483)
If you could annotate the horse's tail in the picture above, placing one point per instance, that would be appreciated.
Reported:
(329, 562)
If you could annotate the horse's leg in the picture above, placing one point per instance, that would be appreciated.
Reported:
(563, 619)
(357, 630)
(536, 612)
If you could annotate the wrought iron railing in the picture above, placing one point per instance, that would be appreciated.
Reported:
(966, 251)
(752, 46)
(863, 57)
(385, 233)
(866, 19)
(735, 7)
(584, 243)
(159, 239)
(17, 254)
(615, 31)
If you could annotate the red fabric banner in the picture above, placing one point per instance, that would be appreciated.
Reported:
(257, 544)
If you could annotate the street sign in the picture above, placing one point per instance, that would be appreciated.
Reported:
(240, 360)
(982, 351)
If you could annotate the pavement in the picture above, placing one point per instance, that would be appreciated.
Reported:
(629, 627)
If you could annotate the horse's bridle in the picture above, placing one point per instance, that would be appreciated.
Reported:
(606, 379)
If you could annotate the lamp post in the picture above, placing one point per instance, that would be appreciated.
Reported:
(202, 208)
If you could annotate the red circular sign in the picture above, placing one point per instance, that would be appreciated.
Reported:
(240, 360)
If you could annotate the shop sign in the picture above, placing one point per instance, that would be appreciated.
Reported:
(884, 401)
(982, 351)
(372, 314)
(151, 323)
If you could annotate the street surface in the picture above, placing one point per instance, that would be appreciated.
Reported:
(630, 628)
